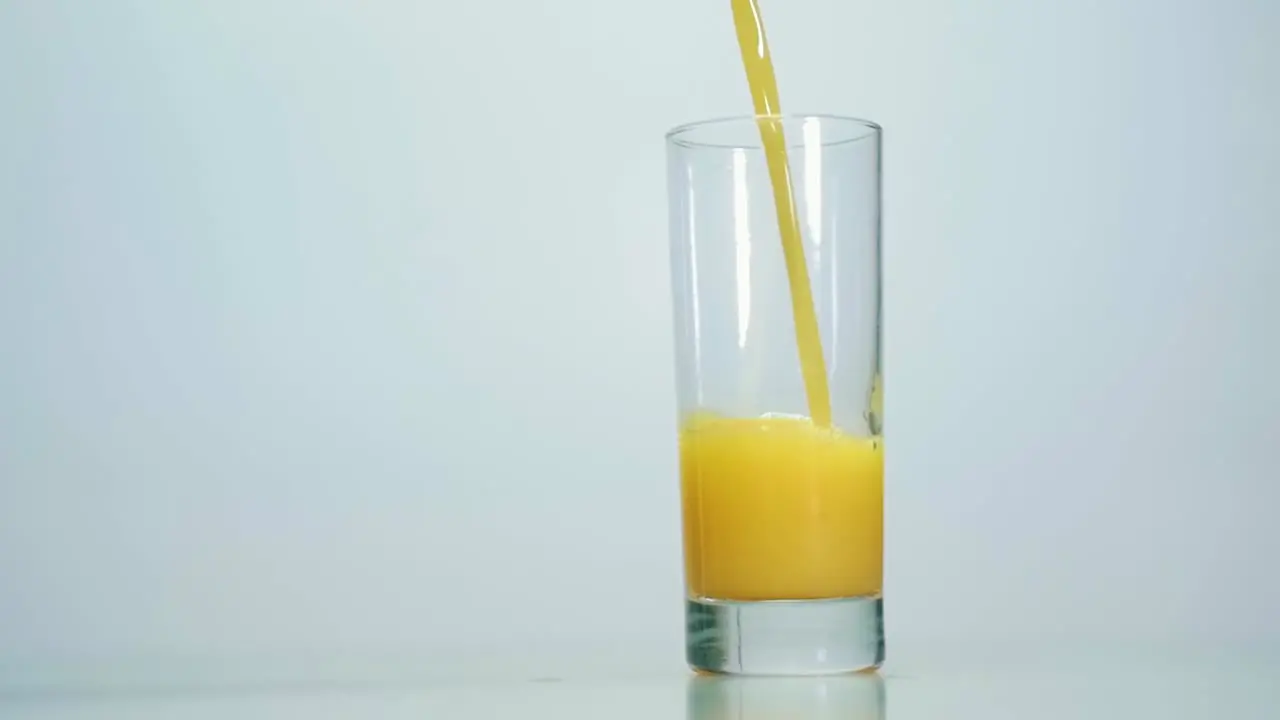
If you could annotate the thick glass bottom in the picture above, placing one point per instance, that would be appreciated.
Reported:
(785, 637)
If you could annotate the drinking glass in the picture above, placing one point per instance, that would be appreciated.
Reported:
(782, 509)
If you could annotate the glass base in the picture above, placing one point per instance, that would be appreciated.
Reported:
(785, 637)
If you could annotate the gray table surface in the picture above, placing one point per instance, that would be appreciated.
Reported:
(1158, 684)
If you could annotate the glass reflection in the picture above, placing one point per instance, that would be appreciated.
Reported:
(847, 697)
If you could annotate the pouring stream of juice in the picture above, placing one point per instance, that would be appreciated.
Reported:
(764, 96)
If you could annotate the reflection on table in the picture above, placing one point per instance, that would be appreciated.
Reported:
(847, 697)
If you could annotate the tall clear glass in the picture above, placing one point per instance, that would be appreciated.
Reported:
(783, 514)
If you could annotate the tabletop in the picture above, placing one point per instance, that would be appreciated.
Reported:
(1239, 685)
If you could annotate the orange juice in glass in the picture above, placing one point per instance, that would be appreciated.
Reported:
(779, 388)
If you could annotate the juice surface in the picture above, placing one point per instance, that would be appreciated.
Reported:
(780, 509)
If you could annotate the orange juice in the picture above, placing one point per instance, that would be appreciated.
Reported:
(780, 509)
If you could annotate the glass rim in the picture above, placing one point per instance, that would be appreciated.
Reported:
(867, 129)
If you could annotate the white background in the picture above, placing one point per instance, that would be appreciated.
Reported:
(343, 328)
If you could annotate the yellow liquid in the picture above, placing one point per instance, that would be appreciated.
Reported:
(779, 508)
